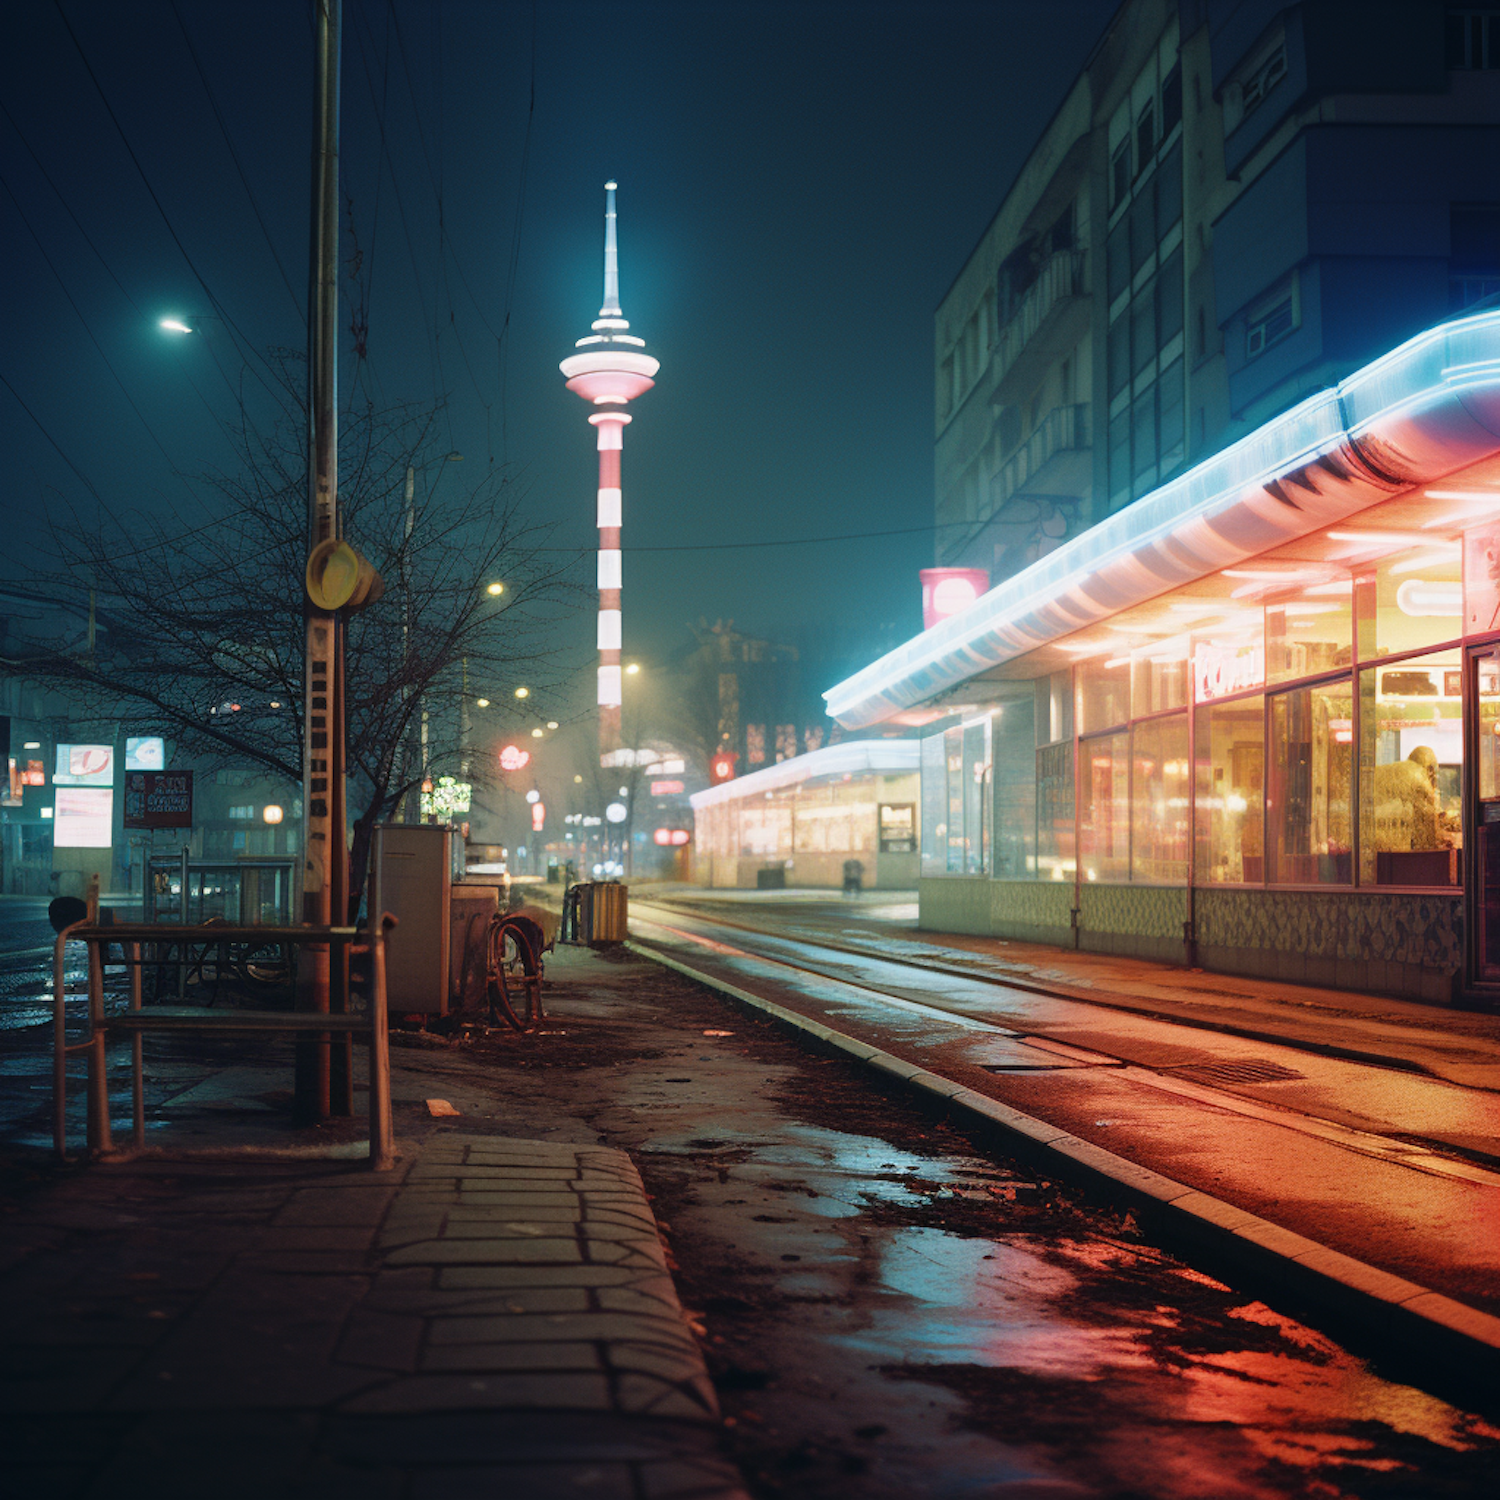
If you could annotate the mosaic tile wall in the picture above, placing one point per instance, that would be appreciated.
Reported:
(1399, 943)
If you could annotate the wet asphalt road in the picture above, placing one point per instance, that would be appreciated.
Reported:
(887, 1309)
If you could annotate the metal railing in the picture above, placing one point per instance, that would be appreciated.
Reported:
(1064, 429)
(341, 1021)
(1062, 275)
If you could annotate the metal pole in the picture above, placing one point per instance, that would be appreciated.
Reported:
(325, 871)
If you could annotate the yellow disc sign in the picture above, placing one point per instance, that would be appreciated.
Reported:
(339, 578)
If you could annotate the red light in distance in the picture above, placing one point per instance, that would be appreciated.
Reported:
(665, 788)
(513, 758)
(676, 837)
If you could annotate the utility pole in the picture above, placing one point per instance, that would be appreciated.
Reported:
(325, 868)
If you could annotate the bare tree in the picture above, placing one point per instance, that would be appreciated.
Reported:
(206, 616)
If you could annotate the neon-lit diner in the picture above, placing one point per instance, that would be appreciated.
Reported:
(1248, 723)
(798, 822)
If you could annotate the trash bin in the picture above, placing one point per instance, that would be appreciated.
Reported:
(771, 878)
(552, 872)
(609, 912)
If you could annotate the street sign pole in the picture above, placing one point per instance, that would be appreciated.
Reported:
(325, 863)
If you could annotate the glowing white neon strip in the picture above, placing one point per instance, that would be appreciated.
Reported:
(609, 507)
(853, 757)
(609, 568)
(1436, 399)
(609, 687)
(609, 630)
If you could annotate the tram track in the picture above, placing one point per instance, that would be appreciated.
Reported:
(1321, 1264)
(1416, 1153)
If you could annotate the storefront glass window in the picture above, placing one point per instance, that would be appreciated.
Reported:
(1230, 791)
(1308, 830)
(1103, 692)
(1410, 771)
(1015, 790)
(1159, 680)
(976, 792)
(1310, 633)
(1415, 598)
(1055, 812)
(1104, 810)
(934, 816)
(1159, 800)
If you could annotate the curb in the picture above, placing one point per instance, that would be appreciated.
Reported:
(1373, 1308)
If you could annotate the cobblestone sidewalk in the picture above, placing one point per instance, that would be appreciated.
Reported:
(493, 1317)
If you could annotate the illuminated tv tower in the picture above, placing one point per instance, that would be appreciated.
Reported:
(610, 368)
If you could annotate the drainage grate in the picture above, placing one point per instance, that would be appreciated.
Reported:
(1250, 1071)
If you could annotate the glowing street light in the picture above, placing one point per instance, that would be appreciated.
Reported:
(481, 703)
(551, 723)
(632, 669)
(495, 590)
(536, 734)
(523, 692)
(175, 325)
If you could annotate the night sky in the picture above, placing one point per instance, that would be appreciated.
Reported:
(799, 184)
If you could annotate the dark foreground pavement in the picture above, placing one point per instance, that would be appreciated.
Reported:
(884, 1310)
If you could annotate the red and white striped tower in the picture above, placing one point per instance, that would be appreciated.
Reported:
(610, 368)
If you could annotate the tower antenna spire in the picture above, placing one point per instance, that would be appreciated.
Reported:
(611, 308)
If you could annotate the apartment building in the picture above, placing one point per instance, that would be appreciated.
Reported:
(1236, 204)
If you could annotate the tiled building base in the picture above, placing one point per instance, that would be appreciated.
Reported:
(1389, 942)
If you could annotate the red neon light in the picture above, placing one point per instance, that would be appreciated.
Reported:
(513, 758)
(538, 816)
(665, 788)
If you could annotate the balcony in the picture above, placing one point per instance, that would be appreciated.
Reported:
(1052, 317)
(1054, 460)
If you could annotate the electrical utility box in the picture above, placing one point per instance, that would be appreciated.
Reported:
(411, 865)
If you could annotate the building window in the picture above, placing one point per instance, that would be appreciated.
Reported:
(1230, 776)
(1119, 175)
(1055, 812)
(1411, 771)
(1308, 830)
(1014, 820)
(1473, 39)
(1273, 319)
(1145, 139)
(1473, 252)
(1104, 808)
(956, 800)
(1159, 800)
(1263, 79)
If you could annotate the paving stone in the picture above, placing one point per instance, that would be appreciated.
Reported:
(661, 1331)
(645, 1395)
(484, 1277)
(690, 1479)
(561, 1481)
(651, 1295)
(380, 1340)
(480, 1251)
(508, 1392)
(513, 1356)
(353, 1206)
(641, 1253)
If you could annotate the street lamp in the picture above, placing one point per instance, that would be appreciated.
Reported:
(523, 692)
(481, 703)
(494, 590)
(175, 325)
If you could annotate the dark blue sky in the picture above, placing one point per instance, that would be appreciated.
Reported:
(799, 184)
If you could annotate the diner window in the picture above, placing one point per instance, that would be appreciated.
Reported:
(934, 799)
(1014, 856)
(1411, 771)
(1055, 812)
(1103, 692)
(766, 831)
(1159, 681)
(1414, 598)
(1229, 771)
(1308, 831)
(1054, 708)
(1309, 634)
(976, 792)
(1159, 830)
(1104, 808)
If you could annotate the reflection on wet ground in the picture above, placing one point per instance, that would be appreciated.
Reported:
(1042, 1343)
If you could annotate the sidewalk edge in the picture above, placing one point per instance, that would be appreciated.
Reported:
(1382, 1305)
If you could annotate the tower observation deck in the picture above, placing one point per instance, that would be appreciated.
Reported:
(611, 368)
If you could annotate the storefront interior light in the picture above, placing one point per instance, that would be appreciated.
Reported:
(1435, 557)
(1418, 598)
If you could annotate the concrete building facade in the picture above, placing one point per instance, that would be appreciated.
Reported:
(1236, 204)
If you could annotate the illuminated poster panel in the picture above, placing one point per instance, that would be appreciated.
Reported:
(85, 765)
(85, 816)
(145, 753)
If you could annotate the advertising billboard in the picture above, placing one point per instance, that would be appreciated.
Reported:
(158, 799)
(85, 765)
(145, 753)
(84, 818)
